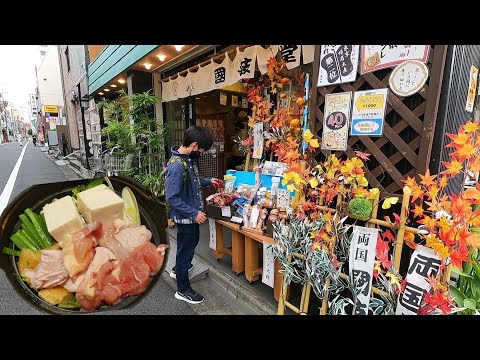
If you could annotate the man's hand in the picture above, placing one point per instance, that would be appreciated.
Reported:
(217, 183)
(201, 218)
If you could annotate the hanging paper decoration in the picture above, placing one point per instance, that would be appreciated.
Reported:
(362, 260)
(167, 91)
(223, 73)
(424, 263)
(204, 81)
(308, 53)
(263, 55)
(291, 55)
(244, 63)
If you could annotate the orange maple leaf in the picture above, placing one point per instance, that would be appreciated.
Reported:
(471, 193)
(433, 191)
(443, 182)
(427, 179)
(473, 240)
(459, 206)
(458, 140)
(464, 152)
(362, 155)
(458, 257)
(428, 222)
(417, 211)
(410, 182)
(453, 168)
(470, 126)
(474, 164)
(433, 206)
(445, 203)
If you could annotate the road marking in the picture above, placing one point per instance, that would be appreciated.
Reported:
(7, 191)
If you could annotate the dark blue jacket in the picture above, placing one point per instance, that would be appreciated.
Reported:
(185, 199)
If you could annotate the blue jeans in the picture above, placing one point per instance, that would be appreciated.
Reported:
(187, 239)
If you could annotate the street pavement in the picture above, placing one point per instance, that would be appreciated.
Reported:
(37, 168)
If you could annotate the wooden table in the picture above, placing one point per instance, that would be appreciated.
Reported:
(244, 252)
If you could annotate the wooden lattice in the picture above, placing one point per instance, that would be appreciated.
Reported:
(405, 147)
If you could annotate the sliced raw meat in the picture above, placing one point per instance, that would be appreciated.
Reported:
(102, 255)
(122, 237)
(109, 241)
(50, 272)
(121, 278)
(78, 248)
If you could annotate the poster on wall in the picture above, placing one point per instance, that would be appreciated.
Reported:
(408, 78)
(472, 87)
(368, 112)
(338, 64)
(234, 100)
(362, 260)
(223, 99)
(424, 263)
(376, 57)
(335, 121)
(244, 102)
(258, 140)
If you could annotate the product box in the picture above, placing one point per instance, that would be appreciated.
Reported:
(220, 212)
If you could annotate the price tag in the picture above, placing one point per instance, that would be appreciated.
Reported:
(268, 275)
(236, 219)
(226, 211)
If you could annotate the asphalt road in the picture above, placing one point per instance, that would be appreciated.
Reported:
(37, 168)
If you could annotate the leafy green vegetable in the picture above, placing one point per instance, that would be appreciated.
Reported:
(91, 184)
(45, 238)
(10, 251)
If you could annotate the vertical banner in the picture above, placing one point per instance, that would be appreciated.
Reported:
(204, 81)
(361, 262)
(244, 63)
(222, 73)
(268, 274)
(368, 112)
(338, 64)
(167, 91)
(223, 98)
(423, 263)
(213, 234)
(291, 55)
(308, 53)
(376, 57)
(263, 55)
(258, 140)
(472, 88)
(336, 120)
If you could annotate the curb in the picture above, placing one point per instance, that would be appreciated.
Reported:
(246, 296)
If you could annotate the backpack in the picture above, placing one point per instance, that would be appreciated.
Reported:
(161, 186)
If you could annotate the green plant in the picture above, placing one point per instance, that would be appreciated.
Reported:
(360, 207)
(30, 132)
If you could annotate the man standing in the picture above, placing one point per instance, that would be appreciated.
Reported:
(184, 195)
(64, 145)
(19, 139)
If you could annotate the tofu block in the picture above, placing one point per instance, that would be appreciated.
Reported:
(62, 218)
(100, 204)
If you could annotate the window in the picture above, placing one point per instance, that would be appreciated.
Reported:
(67, 55)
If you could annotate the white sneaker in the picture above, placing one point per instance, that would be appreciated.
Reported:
(174, 275)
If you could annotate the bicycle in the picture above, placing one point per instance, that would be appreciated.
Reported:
(110, 164)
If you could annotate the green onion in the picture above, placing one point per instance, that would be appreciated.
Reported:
(27, 225)
(44, 236)
(10, 251)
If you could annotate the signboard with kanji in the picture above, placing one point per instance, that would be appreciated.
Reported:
(338, 64)
(336, 120)
(368, 112)
(376, 57)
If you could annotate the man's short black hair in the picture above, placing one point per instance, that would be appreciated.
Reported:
(199, 135)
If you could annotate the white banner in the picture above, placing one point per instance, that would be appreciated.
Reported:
(223, 73)
(213, 234)
(263, 55)
(186, 85)
(423, 263)
(204, 81)
(244, 63)
(338, 64)
(257, 140)
(291, 55)
(308, 53)
(167, 91)
(268, 268)
(361, 262)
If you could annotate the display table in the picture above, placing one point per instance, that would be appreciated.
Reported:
(244, 252)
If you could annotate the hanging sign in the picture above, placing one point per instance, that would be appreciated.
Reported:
(223, 73)
(244, 63)
(408, 78)
(268, 272)
(335, 121)
(368, 112)
(234, 100)
(257, 140)
(213, 234)
(263, 55)
(338, 64)
(472, 87)
(223, 99)
(308, 53)
(291, 55)
(423, 264)
(362, 260)
(244, 102)
(376, 57)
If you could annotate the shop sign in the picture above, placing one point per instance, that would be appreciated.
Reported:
(234, 100)
(472, 87)
(338, 64)
(336, 120)
(258, 140)
(368, 112)
(291, 55)
(408, 78)
(376, 57)
(361, 262)
(51, 109)
(268, 270)
(424, 263)
(213, 234)
(244, 64)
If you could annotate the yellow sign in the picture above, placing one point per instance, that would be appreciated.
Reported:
(370, 102)
(51, 109)
(472, 87)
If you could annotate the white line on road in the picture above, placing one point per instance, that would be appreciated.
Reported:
(7, 191)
